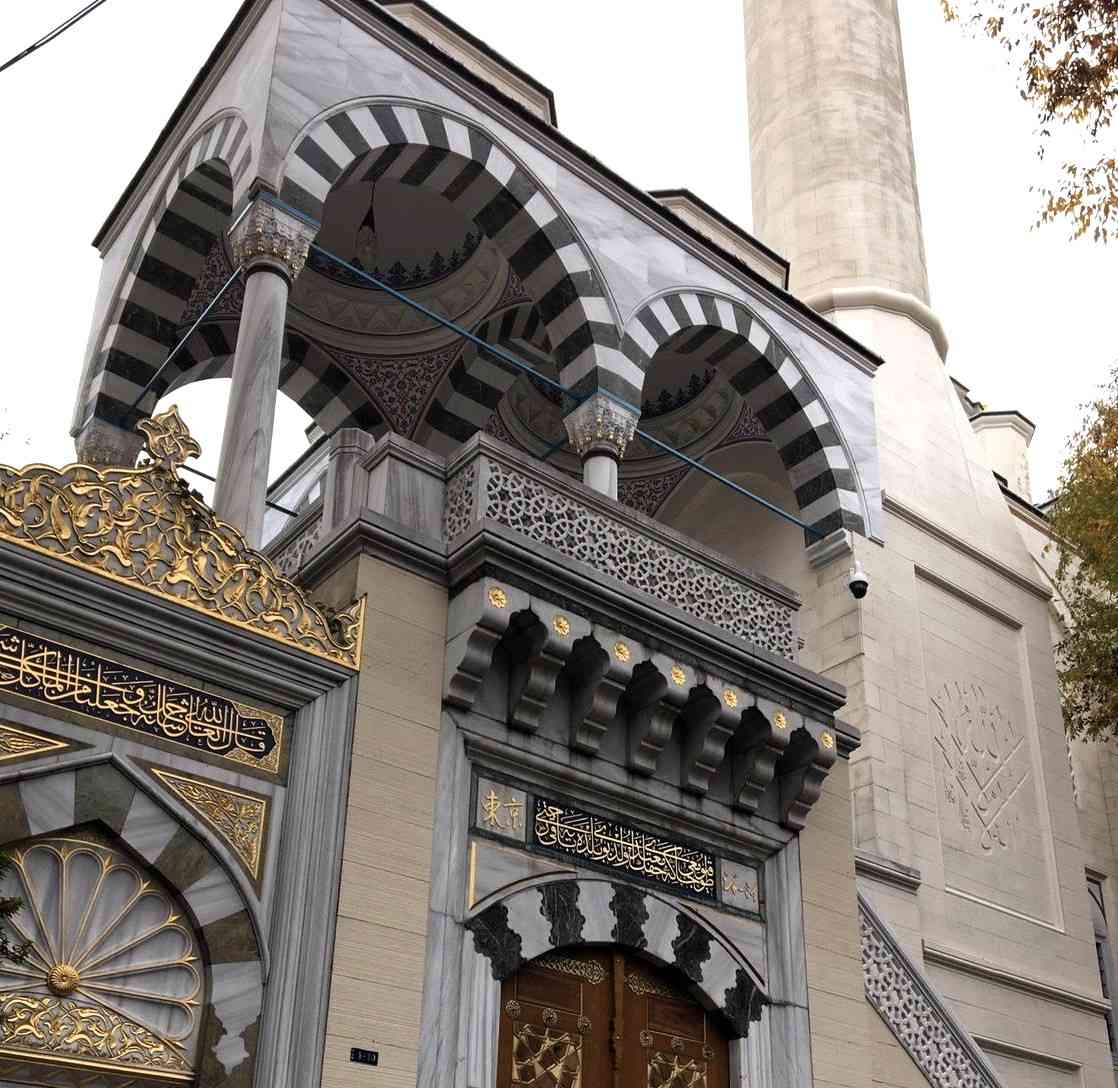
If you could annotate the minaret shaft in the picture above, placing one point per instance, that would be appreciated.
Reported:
(834, 183)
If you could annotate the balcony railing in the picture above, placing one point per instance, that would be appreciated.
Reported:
(488, 486)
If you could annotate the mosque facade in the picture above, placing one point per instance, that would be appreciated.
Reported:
(645, 677)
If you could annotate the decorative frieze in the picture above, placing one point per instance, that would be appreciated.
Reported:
(604, 842)
(58, 676)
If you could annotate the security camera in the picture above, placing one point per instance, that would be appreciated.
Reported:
(859, 581)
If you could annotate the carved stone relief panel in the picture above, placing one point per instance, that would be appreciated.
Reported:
(993, 819)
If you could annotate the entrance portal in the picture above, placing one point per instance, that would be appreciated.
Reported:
(604, 1019)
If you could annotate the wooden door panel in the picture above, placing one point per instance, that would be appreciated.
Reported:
(558, 1014)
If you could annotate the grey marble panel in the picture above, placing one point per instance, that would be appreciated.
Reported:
(238, 992)
(49, 802)
(148, 828)
(213, 897)
(496, 867)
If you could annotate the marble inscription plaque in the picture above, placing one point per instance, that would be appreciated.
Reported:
(58, 675)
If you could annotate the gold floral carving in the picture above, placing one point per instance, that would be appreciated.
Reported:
(60, 1027)
(589, 970)
(642, 986)
(239, 818)
(23, 743)
(108, 957)
(144, 527)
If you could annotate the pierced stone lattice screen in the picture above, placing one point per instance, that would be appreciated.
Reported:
(546, 515)
(295, 552)
(945, 1054)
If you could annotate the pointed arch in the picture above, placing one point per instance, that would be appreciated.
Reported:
(60, 800)
(724, 333)
(515, 926)
(476, 382)
(308, 375)
(184, 222)
(424, 146)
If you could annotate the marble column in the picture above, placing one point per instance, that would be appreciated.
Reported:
(600, 429)
(272, 246)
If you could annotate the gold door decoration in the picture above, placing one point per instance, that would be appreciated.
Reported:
(239, 818)
(58, 675)
(112, 978)
(546, 1058)
(674, 1071)
(144, 527)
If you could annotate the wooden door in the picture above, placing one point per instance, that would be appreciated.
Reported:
(601, 1019)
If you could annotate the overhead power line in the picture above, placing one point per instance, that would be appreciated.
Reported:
(52, 35)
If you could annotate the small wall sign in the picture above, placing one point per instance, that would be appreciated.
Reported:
(364, 1057)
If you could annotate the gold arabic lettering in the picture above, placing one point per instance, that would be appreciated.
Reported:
(619, 847)
(55, 674)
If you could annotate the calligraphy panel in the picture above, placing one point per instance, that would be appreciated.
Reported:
(603, 842)
(50, 673)
(993, 822)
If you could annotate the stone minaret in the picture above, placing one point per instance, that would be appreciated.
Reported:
(834, 182)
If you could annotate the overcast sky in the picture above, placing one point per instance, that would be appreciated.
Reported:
(654, 89)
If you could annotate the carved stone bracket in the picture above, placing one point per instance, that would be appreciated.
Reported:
(597, 679)
(803, 769)
(479, 617)
(710, 719)
(539, 643)
(610, 681)
(758, 746)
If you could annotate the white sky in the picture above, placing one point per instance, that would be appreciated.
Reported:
(653, 89)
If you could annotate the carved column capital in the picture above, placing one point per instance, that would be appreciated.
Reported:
(266, 236)
(601, 425)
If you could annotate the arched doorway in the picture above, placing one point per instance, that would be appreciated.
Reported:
(606, 1018)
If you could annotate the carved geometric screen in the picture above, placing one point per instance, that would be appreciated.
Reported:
(112, 978)
(993, 819)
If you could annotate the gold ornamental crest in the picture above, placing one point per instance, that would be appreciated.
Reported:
(144, 527)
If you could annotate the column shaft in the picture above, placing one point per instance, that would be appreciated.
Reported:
(246, 444)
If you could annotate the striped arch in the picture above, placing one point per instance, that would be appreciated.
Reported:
(53, 803)
(512, 927)
(185, 221)
(725, 334)
(473, 387)
(425, 147)
(308, 376)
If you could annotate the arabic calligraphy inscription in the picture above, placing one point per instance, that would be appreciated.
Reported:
(984, 763)
(618, 847)
(58, 675)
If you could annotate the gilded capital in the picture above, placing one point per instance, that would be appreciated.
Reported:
(269, 237)
(601, 425)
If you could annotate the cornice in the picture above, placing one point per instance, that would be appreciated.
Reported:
(1026, 1054)
(921, 521)
(958, 961)
(181, 120)
(886, 871)
(888, 300)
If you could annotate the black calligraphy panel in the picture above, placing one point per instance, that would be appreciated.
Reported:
(604, 842)
(61, 676)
